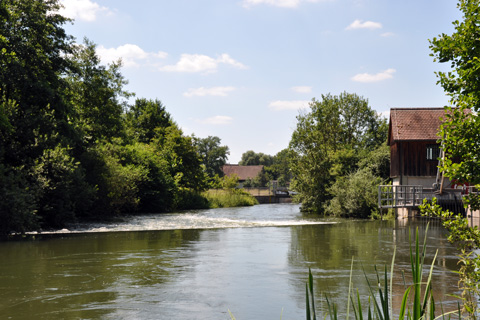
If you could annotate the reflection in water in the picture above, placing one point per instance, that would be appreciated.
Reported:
(192, 273)
(329, 249)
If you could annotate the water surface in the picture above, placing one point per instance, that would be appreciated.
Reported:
(198, 265)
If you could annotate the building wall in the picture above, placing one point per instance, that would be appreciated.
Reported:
(426, 182)
(409, 158)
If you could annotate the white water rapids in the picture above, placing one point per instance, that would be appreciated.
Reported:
(251, 217)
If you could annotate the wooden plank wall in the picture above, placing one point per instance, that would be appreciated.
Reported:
(409, 158)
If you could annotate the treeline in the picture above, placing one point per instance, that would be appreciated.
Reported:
(339, 156)
(74, 146)
(71, 146)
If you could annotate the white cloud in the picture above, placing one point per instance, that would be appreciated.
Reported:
(130, 54)
(366, 77)
(201, 63)
(277, 3)
(288, 105)
(217, 120)
(85, 10)
(359, 24)
(387, 34)
(214, 91)
(302, 89)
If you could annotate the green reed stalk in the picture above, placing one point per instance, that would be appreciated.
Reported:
(422, 307)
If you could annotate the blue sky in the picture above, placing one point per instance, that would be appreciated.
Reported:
(242, 69)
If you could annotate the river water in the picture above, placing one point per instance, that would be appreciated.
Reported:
(250, 261)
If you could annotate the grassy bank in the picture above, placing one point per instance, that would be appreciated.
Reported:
(224, 198)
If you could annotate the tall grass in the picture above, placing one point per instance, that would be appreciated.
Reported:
(224, 198)
(414, 306)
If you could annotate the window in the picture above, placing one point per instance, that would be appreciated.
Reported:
(433, 151)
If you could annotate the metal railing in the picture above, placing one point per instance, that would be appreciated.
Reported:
(395, 196)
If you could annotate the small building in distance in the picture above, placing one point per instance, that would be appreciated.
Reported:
(243, 172)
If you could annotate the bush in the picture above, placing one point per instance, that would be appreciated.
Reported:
(354, 195)
(63, 190)
(17, 202)
(229, 198)
(190, 199)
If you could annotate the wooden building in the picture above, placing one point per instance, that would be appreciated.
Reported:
(415, 154)
(414, 148)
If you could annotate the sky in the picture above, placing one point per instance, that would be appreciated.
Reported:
(243, 70)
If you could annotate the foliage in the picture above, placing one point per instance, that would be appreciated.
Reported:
(17, 201)
(354, 195)
(71, 146)
(355, 190)
(95, 92)
(229, 198)
(229, 182)
(251, 158)
(183, 158)
(462, 51)
(460, 133)
(467, 240)
(328, 144)
(63, 191)
(187, 199)
(213, 155)
(147, 119)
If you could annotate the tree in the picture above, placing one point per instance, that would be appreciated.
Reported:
(214, 156)
(47, 184)
(147, 119)
(251, 158)
(95, 92)
(280, 169)
(460, 134)
(327, 143)
(461, 130)
(182, 157)
(355, 192)
(33, 56)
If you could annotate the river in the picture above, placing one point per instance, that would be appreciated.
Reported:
(252, 261)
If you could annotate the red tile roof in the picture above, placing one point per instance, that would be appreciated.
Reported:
(414, 124)
(243, 172)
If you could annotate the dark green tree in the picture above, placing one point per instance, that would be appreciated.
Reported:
(213, 154)
(147, 119)
(251, 158)
(36, 119)
(33, 56)
(96, 92)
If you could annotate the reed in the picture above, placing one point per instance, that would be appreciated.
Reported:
(415, 304)
(224, 198)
